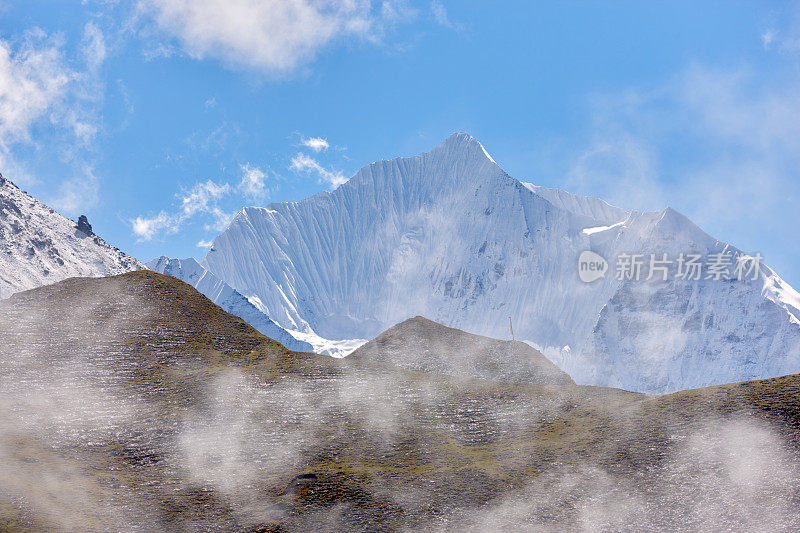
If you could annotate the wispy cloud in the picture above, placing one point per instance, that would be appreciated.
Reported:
(79, 191)
(146, 228)
(722, 146)
(303, 163)
(93, 46)
(48, 102)
(202, 198)
(318, 144)
(767, 38)
(398, 10)
(34, 79)
(439, 13)
(206, 200)
(620, 168)
(254, 182)
(198, 198)
(783, 32)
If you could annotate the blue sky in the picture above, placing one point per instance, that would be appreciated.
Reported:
(159, 119)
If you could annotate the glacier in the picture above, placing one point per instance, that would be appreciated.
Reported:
(38, 246)
(222, 294)
(449, 235)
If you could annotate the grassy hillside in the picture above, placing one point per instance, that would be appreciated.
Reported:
(133, 402)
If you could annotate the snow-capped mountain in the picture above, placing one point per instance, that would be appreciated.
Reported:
(38, 246)
(450, 236)
(222, 294)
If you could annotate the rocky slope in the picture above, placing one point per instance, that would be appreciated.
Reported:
(38, 246)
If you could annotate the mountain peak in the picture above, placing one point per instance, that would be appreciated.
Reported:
(460, 143)
(5, 182)
(166, 265)
(671, 224)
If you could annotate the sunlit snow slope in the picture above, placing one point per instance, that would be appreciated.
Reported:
(450, 236)
(38, 246)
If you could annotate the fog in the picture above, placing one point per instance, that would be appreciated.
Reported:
(729, 475)
(91, 440)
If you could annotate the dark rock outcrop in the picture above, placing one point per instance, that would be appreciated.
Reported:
(84, 226)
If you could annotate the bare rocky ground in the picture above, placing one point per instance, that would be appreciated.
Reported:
(134, 403)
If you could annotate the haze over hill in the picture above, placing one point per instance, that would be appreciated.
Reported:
(146, 406)
(449, 235)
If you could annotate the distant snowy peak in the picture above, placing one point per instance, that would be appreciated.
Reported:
(447, 234)
(219, 292)
(38, 246)
(306, 255)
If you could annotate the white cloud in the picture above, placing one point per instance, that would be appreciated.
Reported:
(34, 77)
(221, 219)
(397, 10)
(318, 144)
(621, 169)
(145, 228)
(303, 163)
(767, 38)
(204, 244)
(253, 184)
(202, 198)
(93, 46)
(439, 13)
(47, 105)
(735, 107)
(271, 35)
(206, 199)
(783, 32)
(197, 199)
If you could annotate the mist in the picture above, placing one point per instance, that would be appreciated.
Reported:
(137, 411)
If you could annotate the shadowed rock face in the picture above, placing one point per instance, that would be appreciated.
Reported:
(84, 226)
(427, 346)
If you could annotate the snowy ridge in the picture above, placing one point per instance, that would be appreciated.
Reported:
(450, 236)
(219, 292)
(38, 246)
(580, 205)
